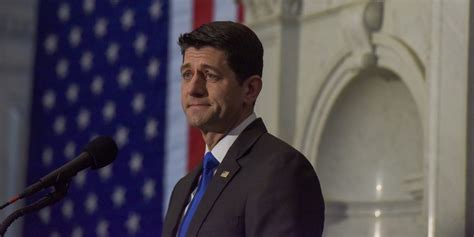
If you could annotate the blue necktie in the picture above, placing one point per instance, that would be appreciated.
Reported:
(210, 163)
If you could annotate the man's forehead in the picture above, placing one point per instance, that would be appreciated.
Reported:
(209, 54)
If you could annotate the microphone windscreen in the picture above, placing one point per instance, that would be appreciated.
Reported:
(103, 151)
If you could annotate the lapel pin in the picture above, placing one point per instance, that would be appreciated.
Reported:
(225, 173)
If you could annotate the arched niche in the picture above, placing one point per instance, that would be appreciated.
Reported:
(399, 67)
(392, 54)
(370, 152)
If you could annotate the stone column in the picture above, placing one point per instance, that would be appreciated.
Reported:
(277, 25)
(17, 26)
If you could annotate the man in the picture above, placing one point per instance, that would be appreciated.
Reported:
(250, 183)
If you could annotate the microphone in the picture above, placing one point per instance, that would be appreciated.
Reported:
(98, 153)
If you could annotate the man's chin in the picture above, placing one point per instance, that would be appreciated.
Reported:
(205, 125)
(196, 122)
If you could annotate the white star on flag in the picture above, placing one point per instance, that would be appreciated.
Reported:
(140, 44)
(47, 156)
(64, 12)
(121, 136)
(68, 209)
(72, 93)
(138, 103)
(148, 189)
(105, 173)
(91, 203)
(77, 232)
(127, 19)
(80, 179)
(97, 85)
(70, 150)
(102, 229)
(51, 44)
(133, 223)
(59, 125)
(62, 68)
(49, 99)
(75, 36)
(108, 112)
(125, 77)
(83, 119)
(155, 10)
(86, 61)
(135, 163)
(45, 215)
(112, 53)
(118, 197)
(153, 68)
(88, 6)
(100, 28)
(151, 129)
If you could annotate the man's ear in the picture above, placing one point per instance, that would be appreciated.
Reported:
(252, 88)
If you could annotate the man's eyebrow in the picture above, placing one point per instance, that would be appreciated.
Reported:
(207, 66)
(185, 66)
(204, 66)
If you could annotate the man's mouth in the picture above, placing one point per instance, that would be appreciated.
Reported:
(198, 104)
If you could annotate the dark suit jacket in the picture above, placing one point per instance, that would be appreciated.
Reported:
(270, 190)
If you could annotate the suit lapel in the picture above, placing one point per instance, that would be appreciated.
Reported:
(180, 199)
(225, 172)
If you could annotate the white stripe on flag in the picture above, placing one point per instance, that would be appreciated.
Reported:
(176, 138)
(225, 10)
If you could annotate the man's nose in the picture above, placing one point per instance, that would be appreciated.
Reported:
(197, 85)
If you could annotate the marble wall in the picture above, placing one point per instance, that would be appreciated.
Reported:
(323, 94)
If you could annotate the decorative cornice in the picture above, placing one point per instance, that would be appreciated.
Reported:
(267, 10)
(292, 8)
(259, 9)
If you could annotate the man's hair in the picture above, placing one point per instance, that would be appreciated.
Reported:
(243, 49)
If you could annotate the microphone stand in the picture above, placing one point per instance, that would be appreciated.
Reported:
(60, 191)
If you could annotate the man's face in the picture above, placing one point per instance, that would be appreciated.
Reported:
(211, 96)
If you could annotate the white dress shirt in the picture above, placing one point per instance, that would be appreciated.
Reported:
(220, 149)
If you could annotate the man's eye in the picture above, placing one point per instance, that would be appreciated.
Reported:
(186, 75)
(210, 76)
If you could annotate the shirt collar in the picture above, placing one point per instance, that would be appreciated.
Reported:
(220, 150)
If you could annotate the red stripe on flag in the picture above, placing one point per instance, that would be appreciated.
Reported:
(203, 13)
(240, 12)
(196, 148)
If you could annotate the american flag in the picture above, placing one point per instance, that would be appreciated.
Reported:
(112, 68)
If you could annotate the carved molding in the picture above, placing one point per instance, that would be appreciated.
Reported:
(264, 10)
(292, 8)
(261, 8)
